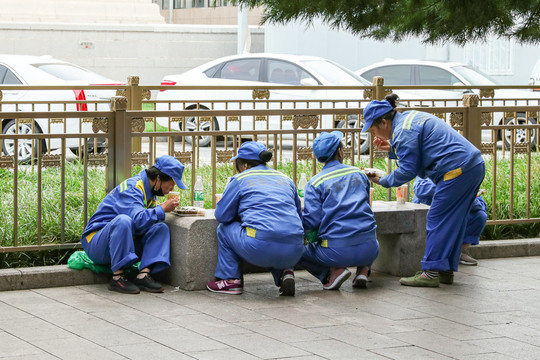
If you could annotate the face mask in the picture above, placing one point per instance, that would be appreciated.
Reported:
(156, 192)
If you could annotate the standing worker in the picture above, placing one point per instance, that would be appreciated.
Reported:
(337, 208)
(424, 189)
(426, 146)
(260, 222)
(128, 226)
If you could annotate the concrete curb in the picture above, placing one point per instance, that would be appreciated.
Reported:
(61, 275)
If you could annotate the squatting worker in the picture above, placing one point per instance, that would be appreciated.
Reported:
(260, 222)
(336, 206)
(424, 189)
(128, 226)
(426, 146)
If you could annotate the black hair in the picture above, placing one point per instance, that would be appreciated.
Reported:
(264, 157)
(393, 99)
(154, 172)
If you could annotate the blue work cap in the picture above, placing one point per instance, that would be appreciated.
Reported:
(374, 110)
(326, 144)
(172, 167)
(250, 151)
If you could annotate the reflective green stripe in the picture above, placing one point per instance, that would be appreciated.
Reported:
(259, 172)
(123, 185)
(335, 174)
(408, 120)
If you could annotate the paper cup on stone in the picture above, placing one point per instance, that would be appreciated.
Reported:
(173, 195)
(401, 194)
(218, 197)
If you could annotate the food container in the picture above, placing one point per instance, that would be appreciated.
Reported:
(173, 195)
(218, 197)
(401, 194)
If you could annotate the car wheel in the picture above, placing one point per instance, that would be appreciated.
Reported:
(24, 145)
(363, 147)
(191, 125)
(521, 134)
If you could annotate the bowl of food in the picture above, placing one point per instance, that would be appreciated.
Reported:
(371, 172)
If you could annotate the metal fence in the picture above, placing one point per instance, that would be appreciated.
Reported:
(83, 154)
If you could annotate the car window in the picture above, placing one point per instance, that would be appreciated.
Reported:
(7, 77)
(242, 69)
(393, 74)
(431, 75)
(334, 73)
(283, 72)
(68, 72)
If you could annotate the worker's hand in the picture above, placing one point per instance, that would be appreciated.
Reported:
(381, 144)
(375, 179)
(169, 205)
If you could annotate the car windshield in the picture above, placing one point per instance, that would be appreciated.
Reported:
(474, 76)
(335, 74)
(69, 72)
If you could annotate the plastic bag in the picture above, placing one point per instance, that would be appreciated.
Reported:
(79, 260)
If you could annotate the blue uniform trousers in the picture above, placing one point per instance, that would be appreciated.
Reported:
(318, 260)
(115, 244)
(447, 219)
(234, 246)
(475, 225)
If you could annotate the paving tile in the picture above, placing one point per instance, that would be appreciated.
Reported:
(376, 323)
(233, 314)
(411, 352)
(77, 348)
(145, 351)
(11, 346)
(333, 349)
(515, 331)
(301, 316)
(450, 329)
(10, 312)
(103, 333)
(440, 344)
(207, 325)
(34, 329)
(357, 336)
(512, 349)
(40, 356)
(262, 346)
(223, 354)
(132, 319)
(282, 331)
(181, 339)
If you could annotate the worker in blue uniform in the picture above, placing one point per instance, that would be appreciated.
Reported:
(336, 206)
(128, 226)
(424, 145)
(424, 189)
(260, 222)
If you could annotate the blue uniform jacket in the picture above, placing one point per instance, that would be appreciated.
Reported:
(133, 198)
(336, 203)
(426, 146)
(262, 199)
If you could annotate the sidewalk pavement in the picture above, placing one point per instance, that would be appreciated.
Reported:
(491, 312)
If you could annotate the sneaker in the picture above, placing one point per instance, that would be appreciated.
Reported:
(337, 277)
(148, 284)
(123, 285)
(446, 277)
(466, 259)
(360, 281)
(419, 281)
(287, 283)
(233, 287)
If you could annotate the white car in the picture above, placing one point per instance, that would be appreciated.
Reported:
(423, 72)
(45, 70)
(263, 70)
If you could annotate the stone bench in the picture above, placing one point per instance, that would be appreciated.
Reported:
(401, 231)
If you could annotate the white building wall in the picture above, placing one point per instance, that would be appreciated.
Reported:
(354, 53)
(117, 51)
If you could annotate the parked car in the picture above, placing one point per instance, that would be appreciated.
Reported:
(422, 72)
(45, 70)
(263, 70)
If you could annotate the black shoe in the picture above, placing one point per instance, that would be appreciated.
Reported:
(123, 285)
(148, 284)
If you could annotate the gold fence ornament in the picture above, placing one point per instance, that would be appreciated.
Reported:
(304, 153)
(137, 125)
(185, 157)
(485, 93)
(97, 159)
(121, 92)
(456, 119)
(487, 148)
(485, 118)
(7, 162)
(51, 160)
(260, 94)
(140, 158)
(368, 94)
(223, 156)
(145, 94)
(305, 121)
(100, 124)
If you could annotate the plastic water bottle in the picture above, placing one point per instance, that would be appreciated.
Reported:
(301, 186)
(198, 193)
